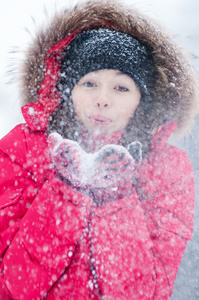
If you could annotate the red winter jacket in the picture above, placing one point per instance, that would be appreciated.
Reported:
(56, 244)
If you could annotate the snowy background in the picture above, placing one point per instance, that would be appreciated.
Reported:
(18, 18)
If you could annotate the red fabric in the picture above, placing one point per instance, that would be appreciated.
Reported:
(55, 242)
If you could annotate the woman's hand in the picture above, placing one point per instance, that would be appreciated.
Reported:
(68, 158)
(109, 167)
(112, 166)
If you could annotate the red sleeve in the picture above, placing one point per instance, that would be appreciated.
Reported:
(45, 242)
(17, 189)
(137, 244)
(39, 227)
(17, 186)
(168, 205)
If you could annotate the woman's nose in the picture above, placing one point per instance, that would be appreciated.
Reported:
(103, 99)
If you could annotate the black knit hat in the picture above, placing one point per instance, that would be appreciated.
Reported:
(107, 49)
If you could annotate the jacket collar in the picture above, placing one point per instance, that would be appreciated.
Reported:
(162, 134)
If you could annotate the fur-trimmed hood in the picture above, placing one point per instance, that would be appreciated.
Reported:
(176, 91)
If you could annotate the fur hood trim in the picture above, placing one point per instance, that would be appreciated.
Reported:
(176, 90)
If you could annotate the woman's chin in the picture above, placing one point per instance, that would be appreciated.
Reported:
(98, 131)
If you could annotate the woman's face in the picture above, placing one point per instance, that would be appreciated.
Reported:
(105, 100)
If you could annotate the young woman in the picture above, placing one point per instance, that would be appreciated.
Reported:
(94, 203)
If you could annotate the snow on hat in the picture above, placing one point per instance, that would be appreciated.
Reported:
(107, 49)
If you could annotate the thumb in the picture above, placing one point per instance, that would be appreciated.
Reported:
(54, 140)
(135, 149)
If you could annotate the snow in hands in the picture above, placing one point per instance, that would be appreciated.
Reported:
(108, 167)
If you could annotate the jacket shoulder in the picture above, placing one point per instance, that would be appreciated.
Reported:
(172, 152)
(14, 143)
(165, 168)
(172, 162)
(19, 141)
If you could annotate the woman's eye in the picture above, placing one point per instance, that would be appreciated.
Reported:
(89, 84)
(121, 89)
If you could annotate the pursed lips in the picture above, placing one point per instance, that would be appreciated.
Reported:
(100, 119)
